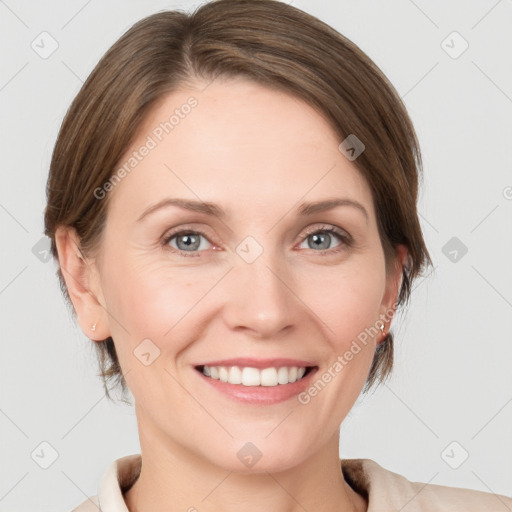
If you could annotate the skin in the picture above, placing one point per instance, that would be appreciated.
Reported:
(258, 154)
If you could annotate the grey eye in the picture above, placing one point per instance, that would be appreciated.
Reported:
(322, 239)
(187, 241)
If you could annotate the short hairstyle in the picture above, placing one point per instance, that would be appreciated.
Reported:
(268, 42)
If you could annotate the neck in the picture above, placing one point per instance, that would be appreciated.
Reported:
(174, 478)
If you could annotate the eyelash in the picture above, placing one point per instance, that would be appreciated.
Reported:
(346, 240)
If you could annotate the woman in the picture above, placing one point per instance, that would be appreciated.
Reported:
(232, 202)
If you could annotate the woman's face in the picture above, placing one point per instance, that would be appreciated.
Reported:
(262, 280)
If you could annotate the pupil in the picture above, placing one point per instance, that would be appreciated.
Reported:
(189, 241)
(318, 238)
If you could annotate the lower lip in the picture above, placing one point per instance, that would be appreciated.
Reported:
(264, 395)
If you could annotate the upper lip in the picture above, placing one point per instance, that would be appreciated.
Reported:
(259, 363)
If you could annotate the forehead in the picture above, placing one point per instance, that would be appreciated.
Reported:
(236, 141)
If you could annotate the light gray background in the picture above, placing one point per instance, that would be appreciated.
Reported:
(452, 380)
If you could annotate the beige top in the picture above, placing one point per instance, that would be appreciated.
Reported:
(385, 491)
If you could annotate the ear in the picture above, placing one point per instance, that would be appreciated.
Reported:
(393, 284)
(82, 281)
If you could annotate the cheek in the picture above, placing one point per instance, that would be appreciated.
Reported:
(347, 299)
(149, 298)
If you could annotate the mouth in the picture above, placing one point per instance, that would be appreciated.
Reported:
(248, 376)
(252, 386)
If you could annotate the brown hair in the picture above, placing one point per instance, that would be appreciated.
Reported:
(275, 45)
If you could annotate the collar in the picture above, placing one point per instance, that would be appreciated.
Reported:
(123, 472)
(382, 488)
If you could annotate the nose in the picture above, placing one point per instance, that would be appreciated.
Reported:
(261, 300)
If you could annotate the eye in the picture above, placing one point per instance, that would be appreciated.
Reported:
(186, 241)
(191, 241)
(321, 238)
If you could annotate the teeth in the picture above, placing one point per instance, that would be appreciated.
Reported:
(248, 376)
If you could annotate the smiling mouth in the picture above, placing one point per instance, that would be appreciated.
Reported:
(249, 376)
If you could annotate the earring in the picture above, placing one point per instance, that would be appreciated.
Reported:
(93, 328)
(383, 333)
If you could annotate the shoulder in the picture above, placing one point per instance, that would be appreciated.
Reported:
(117, 478)
(91, 504)
(386, 490)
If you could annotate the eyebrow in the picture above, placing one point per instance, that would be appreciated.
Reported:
(304, 210)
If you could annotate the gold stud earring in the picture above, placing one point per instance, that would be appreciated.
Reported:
(383, 333)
